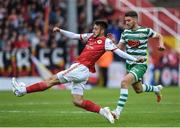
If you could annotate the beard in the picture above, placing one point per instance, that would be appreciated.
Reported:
(131, 26)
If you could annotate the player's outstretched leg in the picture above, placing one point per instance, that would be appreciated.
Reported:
(20, 89)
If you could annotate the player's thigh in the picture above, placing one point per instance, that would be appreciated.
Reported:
(79, 74)
(78, 88)
(138, 71)
(76, 73)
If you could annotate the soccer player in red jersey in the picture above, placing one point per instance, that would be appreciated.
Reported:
(96, 45)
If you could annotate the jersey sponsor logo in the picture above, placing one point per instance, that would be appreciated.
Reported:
(99, 41)
(133, 43)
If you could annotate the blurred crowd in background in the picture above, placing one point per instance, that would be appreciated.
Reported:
(22, 22)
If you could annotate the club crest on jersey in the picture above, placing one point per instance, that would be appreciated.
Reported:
(99, 41)
(142, 35)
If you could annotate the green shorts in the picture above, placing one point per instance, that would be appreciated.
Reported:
(138, 70)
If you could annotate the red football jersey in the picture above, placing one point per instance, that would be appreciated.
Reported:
(94, 49)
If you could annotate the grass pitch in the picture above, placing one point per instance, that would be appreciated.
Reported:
(53, 108)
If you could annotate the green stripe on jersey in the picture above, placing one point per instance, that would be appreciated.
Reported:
(130, 37)
(136, 32)
(141, 35)
(136, 53)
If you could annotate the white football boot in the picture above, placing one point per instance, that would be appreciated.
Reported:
(107, 114)
(115, 114)
(158, 94)
(19, 89)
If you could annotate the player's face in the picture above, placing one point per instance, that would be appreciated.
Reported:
(130, 22)
(97, 30)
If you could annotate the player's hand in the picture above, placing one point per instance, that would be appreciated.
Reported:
(112, 37)
(161, 48)
(141, 59)
(56, 29)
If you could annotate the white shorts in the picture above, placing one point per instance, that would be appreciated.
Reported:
(78, 74)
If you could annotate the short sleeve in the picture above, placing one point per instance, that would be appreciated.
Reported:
(109, 45)
(84, 37)
(151, 33)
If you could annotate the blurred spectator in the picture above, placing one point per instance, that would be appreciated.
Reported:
(21, 42)
(173, 59)
(13, 19)
(103, 63)
(34, 38)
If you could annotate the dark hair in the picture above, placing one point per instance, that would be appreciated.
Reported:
(131, 14)
(101, 23)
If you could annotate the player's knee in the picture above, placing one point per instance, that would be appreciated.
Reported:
(77, 102)
(138, 89)
(52, 81)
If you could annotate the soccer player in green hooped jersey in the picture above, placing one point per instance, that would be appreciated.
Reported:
(134, 39)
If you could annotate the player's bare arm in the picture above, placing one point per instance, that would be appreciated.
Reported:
(161, 43)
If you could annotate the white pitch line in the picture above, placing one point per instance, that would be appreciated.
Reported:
(47, 103)
(58, 112)
(37, 103)
(78, 112)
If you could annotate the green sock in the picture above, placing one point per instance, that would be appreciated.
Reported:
(149, 88)
(122, 100)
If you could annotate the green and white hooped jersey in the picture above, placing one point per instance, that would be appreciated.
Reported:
(136, 42)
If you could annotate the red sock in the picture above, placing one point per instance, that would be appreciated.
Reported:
(40, 86)
(90, 106)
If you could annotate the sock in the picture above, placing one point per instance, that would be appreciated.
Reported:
(149, 88)
(40, 86)
(122, 100)
(90, 106)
